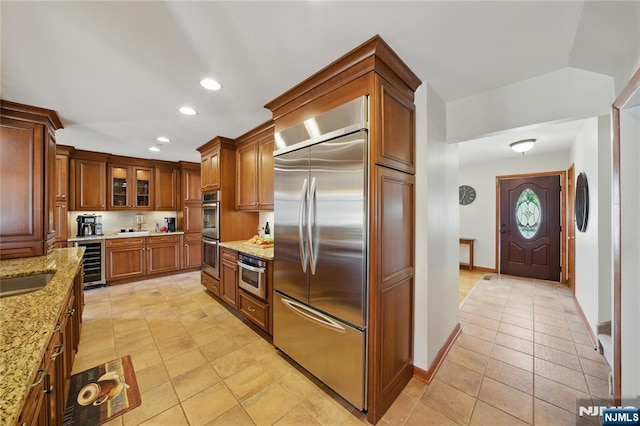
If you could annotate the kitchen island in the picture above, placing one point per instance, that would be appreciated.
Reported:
(28, 322)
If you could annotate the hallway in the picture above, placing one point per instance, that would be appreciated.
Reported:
(522, 358)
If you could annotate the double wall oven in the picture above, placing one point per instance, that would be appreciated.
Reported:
(211, 233)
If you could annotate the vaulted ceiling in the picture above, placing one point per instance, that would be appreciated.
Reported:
(117, 72)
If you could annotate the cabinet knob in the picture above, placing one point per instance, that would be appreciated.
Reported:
(71, 312)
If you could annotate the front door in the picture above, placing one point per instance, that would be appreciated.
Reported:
(530, 227)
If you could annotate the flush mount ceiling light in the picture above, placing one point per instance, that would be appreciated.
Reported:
(163, 139)
(154, 149)
(210, 84)
(187, 110)
(523, 145)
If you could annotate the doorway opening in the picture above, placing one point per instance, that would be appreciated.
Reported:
(530, 211)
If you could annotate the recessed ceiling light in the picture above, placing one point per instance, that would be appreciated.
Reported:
(163, 139)
(211, 84)
(154, 148)
(187, 110)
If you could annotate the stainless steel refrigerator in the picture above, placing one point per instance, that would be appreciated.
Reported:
(320, 259)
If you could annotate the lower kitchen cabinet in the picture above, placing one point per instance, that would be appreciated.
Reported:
(163, 254)
(210, 283)
(229, 276)
(125, 258)
(192, 251)
(47, 397)
(254, 310)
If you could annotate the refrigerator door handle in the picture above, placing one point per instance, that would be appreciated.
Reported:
(301, 210)
(314, 316)
(311, 224)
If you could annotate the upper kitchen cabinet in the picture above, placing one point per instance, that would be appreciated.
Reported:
(254, 169)
(211, 159)
(190, 181)
(130, 187)
(166, 188)
(88, 181)
(375, 73)
(62, 173)
(27, 170)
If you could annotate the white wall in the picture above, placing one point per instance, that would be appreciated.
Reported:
(550, 97)
(478, 219)
(584, 156)
(436, 285)
(630, 254)
(113, 221)
(605, 224)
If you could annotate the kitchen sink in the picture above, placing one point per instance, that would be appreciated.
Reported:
(22, 285)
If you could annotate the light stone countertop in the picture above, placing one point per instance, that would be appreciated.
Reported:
(27, 322)
(113, 235)
(240, 246)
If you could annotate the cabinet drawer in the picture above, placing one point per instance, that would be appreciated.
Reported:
(254, 310)
(193, 238)
(210, 283)
(125, 242)
(163, 239)
(228, 254)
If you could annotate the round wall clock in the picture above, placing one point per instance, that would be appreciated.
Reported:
(466, 195)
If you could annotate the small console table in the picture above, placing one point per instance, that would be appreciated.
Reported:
(469, 242)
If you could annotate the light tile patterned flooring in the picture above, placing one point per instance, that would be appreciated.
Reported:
(522, 358)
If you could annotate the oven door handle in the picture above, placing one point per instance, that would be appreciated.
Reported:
(251, 268)
(209, 242)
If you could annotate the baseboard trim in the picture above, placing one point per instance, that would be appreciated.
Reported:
(590, 333)
(428, 375)
(478, 268)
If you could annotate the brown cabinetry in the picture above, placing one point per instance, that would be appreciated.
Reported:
(163, 254)
(125, 258)
(27, 167)
(254, 310)
(192, 251)
(229, 276)
(61, 225)
(62, 195)
(210, 177)
(166, 188)
(130, 187)
(210, 283)
(47, 396)
(254, 169)
(375, 71)
(88, 178)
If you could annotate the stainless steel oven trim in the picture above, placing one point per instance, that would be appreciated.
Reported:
(258, 291)
(214, 271)
(251, 268)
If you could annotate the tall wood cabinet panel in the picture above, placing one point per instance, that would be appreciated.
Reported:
(234, 225)
(254, 169)
(88, 172)
(166, 188)
(229, 276)
(374, 70)
(210, 178)
(190, 215)
(62, 194)
(27, 167)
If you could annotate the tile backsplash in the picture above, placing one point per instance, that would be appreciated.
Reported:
(112, 222)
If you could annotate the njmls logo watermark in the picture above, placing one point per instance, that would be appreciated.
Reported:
(626, 413)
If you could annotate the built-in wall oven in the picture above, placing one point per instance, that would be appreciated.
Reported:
(211, 233)
(252, 275)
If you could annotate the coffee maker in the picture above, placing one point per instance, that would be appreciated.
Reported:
(171, 224)
(89, 225)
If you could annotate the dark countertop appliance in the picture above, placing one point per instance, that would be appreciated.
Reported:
(89, 225)
(171, 224)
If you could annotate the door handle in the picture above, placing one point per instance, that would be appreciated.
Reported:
(311, 214)
(301, 210)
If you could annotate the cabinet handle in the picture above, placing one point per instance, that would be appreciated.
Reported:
(250, 308)
(71, 312)
(50, 390)
(58, 325)
(64, 207)
(42, 375)
(57, 354)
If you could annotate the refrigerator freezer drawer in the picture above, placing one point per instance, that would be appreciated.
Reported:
(330, 350)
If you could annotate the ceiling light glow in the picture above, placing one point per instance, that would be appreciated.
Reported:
(163, 139)
(210, 84)
(187, 110)
(154, 149)
(523, 145)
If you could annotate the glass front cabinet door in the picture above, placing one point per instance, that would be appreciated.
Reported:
(130, 187)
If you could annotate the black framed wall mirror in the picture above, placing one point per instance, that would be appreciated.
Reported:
(582, 202)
